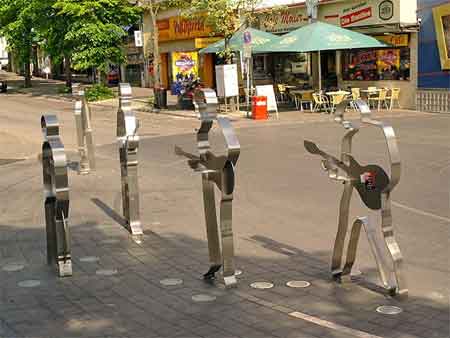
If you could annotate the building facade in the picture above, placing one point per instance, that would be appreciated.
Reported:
(394, 22)
(434, 56)
(180, 39)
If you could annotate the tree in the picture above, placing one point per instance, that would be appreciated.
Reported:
(153, 8)
(18, 19)
(92, 31)
(225, 17)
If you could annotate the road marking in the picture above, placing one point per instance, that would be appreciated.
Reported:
(421, 212)
(331, 325)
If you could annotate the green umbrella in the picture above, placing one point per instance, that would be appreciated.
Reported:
(320, 36)
(260, 40)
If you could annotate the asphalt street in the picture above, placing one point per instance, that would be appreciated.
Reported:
(285, 220)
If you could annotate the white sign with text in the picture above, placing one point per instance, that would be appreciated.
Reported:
(227, 80)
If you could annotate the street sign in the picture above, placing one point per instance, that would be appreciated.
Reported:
(138, 39)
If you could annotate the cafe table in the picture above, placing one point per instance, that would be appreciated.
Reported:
(337, 97)
(298, 95)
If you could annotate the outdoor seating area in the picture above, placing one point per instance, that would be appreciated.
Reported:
(326, 101)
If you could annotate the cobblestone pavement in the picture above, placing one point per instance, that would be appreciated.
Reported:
(285, 221)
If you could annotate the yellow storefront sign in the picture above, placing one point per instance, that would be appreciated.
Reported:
(397, 40)
(205, 42)
(180, 28)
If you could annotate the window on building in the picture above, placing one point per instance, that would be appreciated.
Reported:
(380, 64)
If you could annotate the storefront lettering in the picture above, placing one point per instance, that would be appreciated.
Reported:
(362, 14)
(187, 27)
(361, 4)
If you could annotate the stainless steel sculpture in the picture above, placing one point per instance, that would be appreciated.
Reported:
(56, 190)
(85, 140)
(218, 171)
(374, 186)
(127, 126)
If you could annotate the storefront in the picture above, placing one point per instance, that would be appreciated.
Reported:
(391, 21)
(180, 39)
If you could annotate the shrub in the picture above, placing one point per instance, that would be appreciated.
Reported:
(99, 92)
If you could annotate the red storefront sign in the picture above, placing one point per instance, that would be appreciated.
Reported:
(360, 15)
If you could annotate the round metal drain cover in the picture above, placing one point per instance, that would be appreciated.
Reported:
(201, 298)
(89, 259)
(29, 283)
(298, 284)
(106, 272)
(261, 285)
(13, 267)
(389, 310)
(171, 281)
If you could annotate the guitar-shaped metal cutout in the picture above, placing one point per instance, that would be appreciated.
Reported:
(370, 180)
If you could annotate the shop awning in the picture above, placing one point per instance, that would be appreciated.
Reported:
(260, 40)
(320, 36)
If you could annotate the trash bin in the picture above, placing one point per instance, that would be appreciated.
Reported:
(259, 108)
(160, 98)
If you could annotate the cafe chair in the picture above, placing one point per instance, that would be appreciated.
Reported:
(380, 99)
(394, 98)
(306, 97)
(355, 95)
(372, 92)
(282, 92)
(321, 102)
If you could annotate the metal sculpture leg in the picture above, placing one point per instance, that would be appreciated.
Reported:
(56, 204)
(127, 126)
(339, 243)
(212, 229)
(226, 225)
(85, 140)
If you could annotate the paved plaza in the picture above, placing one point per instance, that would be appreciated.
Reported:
(285, 221)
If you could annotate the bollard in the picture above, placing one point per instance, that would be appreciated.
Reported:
(86, 148)
(3, 86)
(127, 126)
(56, 191)
(216, 171)
(374, 186)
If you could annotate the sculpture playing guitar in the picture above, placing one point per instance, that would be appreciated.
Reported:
(370, 181)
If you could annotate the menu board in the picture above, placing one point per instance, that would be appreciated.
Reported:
(227, 80)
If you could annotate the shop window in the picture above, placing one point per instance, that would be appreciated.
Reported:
(372, 65)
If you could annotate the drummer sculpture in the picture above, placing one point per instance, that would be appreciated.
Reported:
(216, 171)
(374, 186)
(127, 126)
(56, 190)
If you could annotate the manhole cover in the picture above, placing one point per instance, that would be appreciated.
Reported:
(29, 283)
(89, 259)
(298, 284)
(203, 298)
(389, 310)
(261, 285)
(171, 281)
(13, 267)
(106, 272)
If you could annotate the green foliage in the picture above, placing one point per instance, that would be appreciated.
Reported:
(64, 90)
(99, 92)
(93, 30)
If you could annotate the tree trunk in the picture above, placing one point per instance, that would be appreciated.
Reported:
(34, 56)
(68, 72)
(27, 73)
(156, 54)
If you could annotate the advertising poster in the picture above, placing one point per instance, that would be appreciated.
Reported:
(184, 65)
(388, 64)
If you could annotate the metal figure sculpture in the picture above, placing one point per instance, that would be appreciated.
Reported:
(127, 126)
(56, 190)
(85, 140)
(218, 171)
(374, 186)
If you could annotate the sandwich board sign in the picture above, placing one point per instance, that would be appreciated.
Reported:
(268, 91)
